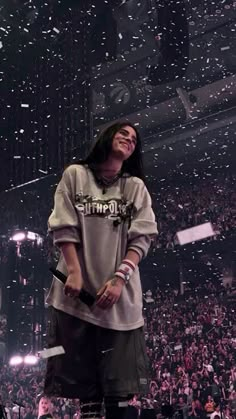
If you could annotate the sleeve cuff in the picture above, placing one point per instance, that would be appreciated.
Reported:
(137, 250)
(141, 245)
(65, 235)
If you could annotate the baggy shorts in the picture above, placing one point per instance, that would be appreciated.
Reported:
(97, 363)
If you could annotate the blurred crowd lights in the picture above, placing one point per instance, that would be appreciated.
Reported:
(20, 360)
(20, 236)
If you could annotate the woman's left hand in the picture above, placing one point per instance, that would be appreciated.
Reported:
(110, 293)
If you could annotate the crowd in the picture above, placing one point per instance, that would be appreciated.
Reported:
(193, 203)
(179, 205)
(191, 344)
(191, 339)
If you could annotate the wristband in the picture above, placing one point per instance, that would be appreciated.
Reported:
(125, 270)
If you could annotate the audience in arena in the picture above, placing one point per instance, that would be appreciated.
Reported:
(178, 205)
(190, 338)
(188, 205)
(192, 361)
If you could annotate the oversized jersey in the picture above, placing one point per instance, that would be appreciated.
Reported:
(104, 226)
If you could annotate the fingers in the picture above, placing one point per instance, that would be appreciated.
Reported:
(101, 291)
(105, 301)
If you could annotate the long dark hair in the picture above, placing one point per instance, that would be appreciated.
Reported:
(103, 145)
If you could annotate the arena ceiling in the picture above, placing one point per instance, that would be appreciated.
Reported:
(182, 114)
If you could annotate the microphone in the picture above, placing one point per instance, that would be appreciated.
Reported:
(83, 296)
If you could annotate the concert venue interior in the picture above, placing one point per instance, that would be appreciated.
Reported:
(69, 68)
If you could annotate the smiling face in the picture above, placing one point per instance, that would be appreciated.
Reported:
(43, 406)
(124, 143)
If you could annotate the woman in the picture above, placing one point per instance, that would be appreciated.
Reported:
(44, 408)
(104, 224)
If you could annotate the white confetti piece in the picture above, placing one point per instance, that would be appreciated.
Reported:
(48, 353)
(108, 350)
(193, 234)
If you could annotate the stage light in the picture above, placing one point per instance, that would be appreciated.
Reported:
(30, 360)
(27, 360)
(31, 236)
(34, 237)
(19, 236)
(16, 360)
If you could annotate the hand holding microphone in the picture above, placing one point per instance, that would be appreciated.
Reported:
(83, 296)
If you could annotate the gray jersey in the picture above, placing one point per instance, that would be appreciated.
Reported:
(103, 226)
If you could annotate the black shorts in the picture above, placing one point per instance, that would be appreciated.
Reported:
(97, 363)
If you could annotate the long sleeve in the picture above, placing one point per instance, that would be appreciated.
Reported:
(143, 228)
(103, 244)
(63, 223)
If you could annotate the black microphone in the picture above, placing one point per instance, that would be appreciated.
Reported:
(84, 296)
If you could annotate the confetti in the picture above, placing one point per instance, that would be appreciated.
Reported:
(174, 79)
(48, 353)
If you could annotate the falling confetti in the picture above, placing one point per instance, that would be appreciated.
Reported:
(168, 67)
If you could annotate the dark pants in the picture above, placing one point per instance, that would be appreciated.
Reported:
(98, 363)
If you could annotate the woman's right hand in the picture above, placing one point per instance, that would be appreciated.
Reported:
(73, 285)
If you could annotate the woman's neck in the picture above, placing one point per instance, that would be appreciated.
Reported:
(110, 168)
